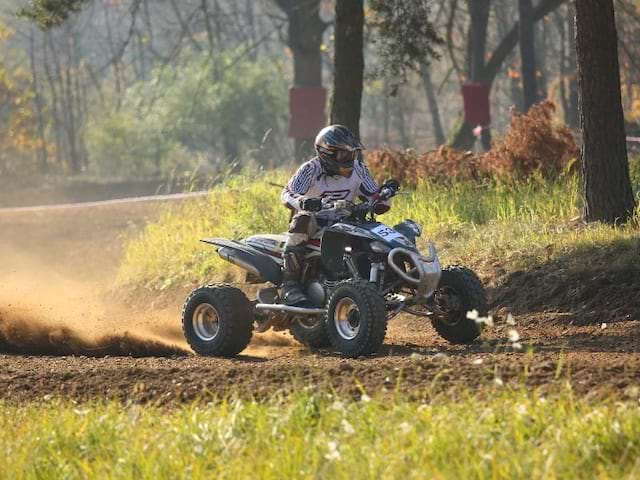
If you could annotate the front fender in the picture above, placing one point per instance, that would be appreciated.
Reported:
(332, 251)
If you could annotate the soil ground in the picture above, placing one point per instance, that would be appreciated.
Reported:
(63, 333)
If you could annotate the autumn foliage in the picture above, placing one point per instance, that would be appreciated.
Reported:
(533, 144)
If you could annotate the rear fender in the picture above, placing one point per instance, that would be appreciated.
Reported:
(255, 262)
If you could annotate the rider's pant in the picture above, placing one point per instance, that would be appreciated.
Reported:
(303, 225)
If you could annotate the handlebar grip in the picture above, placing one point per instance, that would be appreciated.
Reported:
(386, 193)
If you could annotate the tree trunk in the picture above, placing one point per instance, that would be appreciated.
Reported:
(43, 160)
(75, 162)
(605, 168)
(55, 109)
(477, 47)
(386, 113)
(479, 13)
(573, 113)
(304, 40)
(438, 131)
(542, 43)
(562, 57)
(400, 108)
(349, 64)
(528, 54)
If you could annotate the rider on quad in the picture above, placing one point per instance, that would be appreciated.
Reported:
(336, 173)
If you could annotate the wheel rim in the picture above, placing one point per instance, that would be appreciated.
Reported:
(308, 323)
(206, 322)
(449, 302)
(346, 318)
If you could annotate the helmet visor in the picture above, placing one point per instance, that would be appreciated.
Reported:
(346, 157)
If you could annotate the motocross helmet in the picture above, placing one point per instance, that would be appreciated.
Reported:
(337, 148)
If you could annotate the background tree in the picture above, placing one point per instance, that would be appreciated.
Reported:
(486, 71)
(346, 102)
(605, 168)
(527, 53)
(112, 73)
(405, 41)
(304, 38)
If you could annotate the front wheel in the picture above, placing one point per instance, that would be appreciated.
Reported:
(217, 320)
(356, 319)
(460, 291)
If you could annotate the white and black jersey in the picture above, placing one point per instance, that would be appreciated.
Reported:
(311, 181)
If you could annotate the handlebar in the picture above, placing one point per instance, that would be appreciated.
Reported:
(360, 211)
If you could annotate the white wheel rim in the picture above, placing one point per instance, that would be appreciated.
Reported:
(346, 318)
(206, 322)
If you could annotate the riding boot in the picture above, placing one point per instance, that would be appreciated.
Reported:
(291, 288)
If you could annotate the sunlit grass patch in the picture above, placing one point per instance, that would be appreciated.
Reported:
(169, 251)
(516, 225)
(512, 434)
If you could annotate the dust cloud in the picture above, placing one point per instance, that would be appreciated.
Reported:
(56, 290)
(43, 312)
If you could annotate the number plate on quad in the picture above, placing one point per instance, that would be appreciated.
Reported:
(386, 233)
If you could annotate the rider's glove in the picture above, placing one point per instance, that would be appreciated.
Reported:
(311, 204)
(392, 185)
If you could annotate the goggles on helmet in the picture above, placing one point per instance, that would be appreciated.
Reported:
(346, 156)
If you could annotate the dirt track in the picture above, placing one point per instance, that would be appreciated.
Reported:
(582, 327)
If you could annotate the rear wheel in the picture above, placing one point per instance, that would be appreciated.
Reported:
(460, 291)
(356, 319)
(311, 331)
(217, 320)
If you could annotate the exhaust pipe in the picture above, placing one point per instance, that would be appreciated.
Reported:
(227, 254)
(289, 309)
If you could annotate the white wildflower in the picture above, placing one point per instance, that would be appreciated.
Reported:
(615, 426)
(498, 382)
(511, 320)
(365, 398)
(338, 406)
(348, 428)
(516, 346)
(473, 315)
(477, 361)
(521, 409)
(513, 335)
(632, 391)
(603, 326)
(405, 428)
(594, 414)
(334, 454)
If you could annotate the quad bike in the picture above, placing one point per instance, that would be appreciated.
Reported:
(359, 274)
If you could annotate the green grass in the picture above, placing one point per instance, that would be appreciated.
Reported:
(516, 225)
(511, 434)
